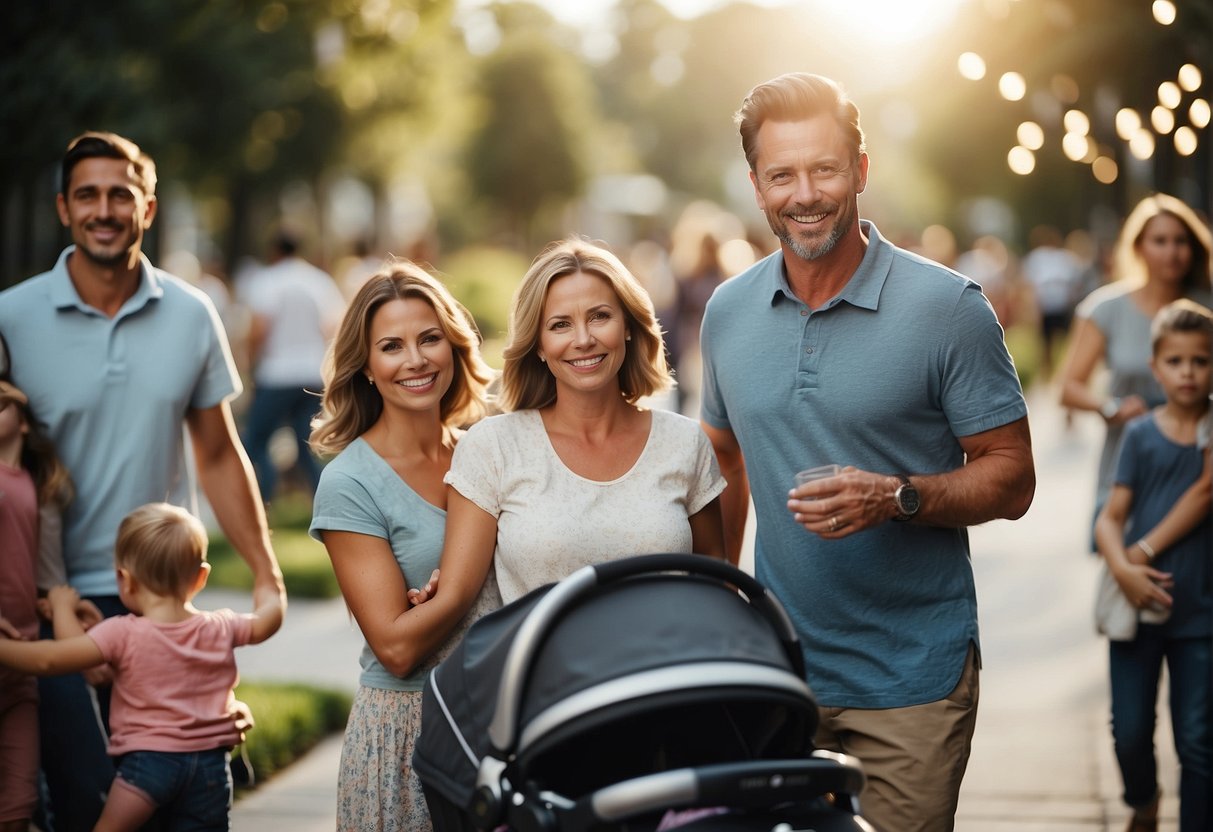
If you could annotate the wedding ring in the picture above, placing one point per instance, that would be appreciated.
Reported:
(833, 524)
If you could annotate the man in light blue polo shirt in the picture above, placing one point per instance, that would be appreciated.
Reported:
(842, 348)
(121, 360)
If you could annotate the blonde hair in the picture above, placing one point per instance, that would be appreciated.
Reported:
(350, 403)
(1127, 261)
(794, 97)
(1178, 316)
(526, 383)
(163, 546)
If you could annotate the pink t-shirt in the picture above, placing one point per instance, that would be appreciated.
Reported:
(18, 549)
(172, 682)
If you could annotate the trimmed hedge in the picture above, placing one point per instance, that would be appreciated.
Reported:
(290, 718)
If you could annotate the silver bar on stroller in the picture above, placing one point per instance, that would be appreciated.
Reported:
(751, 783)
(503, 729)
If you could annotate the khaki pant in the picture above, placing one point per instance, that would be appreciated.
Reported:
(914, 758)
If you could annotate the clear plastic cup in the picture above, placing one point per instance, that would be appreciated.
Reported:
(821, 472)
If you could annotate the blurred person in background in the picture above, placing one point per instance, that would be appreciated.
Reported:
(988, 262)
(697, 270)
(842, 348)
(1056, 277)
(1162, 254)
(1156, 534)
(295, 310)
(116, 357)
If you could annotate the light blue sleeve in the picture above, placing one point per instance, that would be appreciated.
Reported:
(344, 504)
(980, 389)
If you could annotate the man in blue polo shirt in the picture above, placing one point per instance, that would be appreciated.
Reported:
(842, 348)
(121, 360)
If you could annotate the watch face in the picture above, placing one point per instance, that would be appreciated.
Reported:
(907, 499)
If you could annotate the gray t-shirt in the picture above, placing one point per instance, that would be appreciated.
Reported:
(1126, 331)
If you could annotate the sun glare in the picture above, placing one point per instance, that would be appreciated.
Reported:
(891, 22)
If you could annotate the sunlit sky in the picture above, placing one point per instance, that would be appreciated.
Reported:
(880, 20)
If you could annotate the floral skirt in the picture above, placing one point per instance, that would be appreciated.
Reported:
(376, 788)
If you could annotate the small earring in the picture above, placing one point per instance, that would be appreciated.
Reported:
(542, 360)
(627, 337)
(370, 381)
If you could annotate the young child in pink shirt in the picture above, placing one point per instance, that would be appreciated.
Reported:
(173, 718)
(34, 486)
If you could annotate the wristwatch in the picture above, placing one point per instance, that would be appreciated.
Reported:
(1109, 409)
(905, 499)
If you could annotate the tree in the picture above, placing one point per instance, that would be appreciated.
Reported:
(527, 156)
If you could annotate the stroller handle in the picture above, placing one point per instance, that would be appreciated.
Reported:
(503, 730)
(740, 785)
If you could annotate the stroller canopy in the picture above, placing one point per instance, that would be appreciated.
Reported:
(620, 670)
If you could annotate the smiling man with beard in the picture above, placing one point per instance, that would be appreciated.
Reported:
(842, 348)
(117, 357)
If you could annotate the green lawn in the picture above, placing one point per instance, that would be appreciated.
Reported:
(305, 563)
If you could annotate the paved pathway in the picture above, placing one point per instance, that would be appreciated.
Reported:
(1042, 754)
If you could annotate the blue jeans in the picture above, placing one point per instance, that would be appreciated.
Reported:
(272, 408)
(1135, 669)
(192, 790)
(73, 721)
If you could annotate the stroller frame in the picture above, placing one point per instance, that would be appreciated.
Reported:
(741, 784)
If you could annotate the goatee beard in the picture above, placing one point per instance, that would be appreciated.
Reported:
(805, 252)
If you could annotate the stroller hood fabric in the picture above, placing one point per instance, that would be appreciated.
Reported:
(654, 638)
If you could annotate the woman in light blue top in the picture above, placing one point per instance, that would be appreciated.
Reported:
(401, 377)
(1162, 255)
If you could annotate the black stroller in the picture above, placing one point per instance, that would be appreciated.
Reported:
(626, 693)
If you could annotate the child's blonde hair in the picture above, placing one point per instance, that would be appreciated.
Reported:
(1182, 315)
(162, 546)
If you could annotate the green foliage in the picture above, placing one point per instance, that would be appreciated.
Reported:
(528, 156)
(1023, 342)
(306, 569)
(289, 720)
(484, 279)
(305, 565)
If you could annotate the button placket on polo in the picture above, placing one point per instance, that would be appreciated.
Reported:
(115, 356)
(809, 363)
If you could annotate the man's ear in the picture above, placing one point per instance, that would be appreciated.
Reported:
(149, 212)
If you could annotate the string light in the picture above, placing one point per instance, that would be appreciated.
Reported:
(1104, 169)
(971, 66)
(1031, 135)
(1185, 141)
(1074, 145)
(1141, 144)
(1021, 160)
(1076, 121)
(1162, 119)
(1164, 12)
(1169, 95)
(1189, 77)
(1128, 122)
(1012, 86)
(1198, 113)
